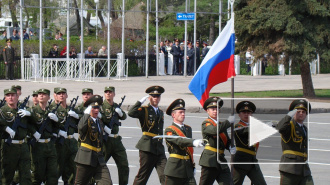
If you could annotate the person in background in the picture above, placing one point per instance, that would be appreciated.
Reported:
(63, 52)
(163, 49)
(3, 35)
(103, 52)
(53, 53)
(73, 52)
(89, 52)
(14, 36)
(25, 35)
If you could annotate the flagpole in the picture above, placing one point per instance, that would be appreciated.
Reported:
(232, 144)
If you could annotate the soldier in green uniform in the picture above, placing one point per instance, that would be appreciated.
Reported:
(246, 153)
(15, 156)
(44, 158)
(90, 160)
(9, 58)
(86, 94)
(114, 147)
(66, 152)
(151, 151)
(211, 169)
(294, 145)
(180, 167)
(18, 89)
(35, 100)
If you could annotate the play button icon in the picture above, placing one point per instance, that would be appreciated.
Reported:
(259, 131)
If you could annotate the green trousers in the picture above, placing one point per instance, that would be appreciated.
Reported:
(65, 158)
(211, 174)
(114, 148)
(100, 174)
(15, 157)
(254, 174)
(44, 164)
(292, 179)
(179, 181)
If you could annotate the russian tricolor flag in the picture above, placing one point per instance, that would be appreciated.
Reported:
(217, 66)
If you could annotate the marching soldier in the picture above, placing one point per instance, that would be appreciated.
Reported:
(114, 147)
(90, 160)
(246, 153)
(151, 151)
(35, 100)
(211, 169)
(66, 152)
(15, 155)
(180, 168)
(44, 157)
(9, 58)
(294, 145)
(86, 94)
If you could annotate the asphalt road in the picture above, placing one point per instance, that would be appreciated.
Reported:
(269, 151)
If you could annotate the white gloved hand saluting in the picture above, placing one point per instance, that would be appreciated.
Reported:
(37, 135)
(99, 115)
(107, 130)
(11, 132)
(232, 150)
(198, 143)
(119, 111)
(23, 113)
(143, 99)
(88, 109)
(73, 114)
(231, 119)
(292, 113)
(63, 134)
(53, 117)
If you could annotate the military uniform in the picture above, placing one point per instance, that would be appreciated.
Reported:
(190, 61)
(211, 169)
(151, 151)
(176, 51)
(114, 147)
(66, 152)
(9, 57)
(89, 159)
(180, 166)
(44, 158)
(15, 156)
(246, 153)
(295, 148)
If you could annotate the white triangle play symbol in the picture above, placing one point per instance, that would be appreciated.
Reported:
(259, 131)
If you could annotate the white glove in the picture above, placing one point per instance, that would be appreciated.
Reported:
(55, 135)
(198, 143)
(63, 133)
(10, 132)
(231, 119)
(119, 111)
(194, 171)
(292, 113)
(232, 150)
(88, 109)
(107, 130)
(37, 135)
(99, 115)
(53, 117)
(144, 99)
(22, 113)
(73, 114)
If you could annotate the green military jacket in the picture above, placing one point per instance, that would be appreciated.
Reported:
(38, 115)
(80, 110)
(9, 54)
(7, 118)
(209, 132)
(242, 142)
(151, 123)
(62, 114)
(106, 111)
(175, 167)
(294, 139)
(90, 152)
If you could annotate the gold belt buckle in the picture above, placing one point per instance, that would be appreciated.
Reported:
(20, 141)
(115, 136)
(69, 136)
(46, 140)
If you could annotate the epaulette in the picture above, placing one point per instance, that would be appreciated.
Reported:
(6, 46)
(187, 125)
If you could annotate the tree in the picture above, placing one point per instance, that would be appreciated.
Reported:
(299, 29)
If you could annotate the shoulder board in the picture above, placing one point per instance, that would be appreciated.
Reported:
(6, 46)
(187, 125)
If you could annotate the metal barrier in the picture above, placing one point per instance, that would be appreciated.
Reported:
(50, 70)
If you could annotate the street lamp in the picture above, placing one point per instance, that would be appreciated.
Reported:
(97, 3)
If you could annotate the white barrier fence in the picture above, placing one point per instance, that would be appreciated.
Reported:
(50, 70)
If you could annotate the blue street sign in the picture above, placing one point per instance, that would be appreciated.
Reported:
(185, 16)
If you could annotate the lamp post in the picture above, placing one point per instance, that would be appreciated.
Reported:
(97, 3)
